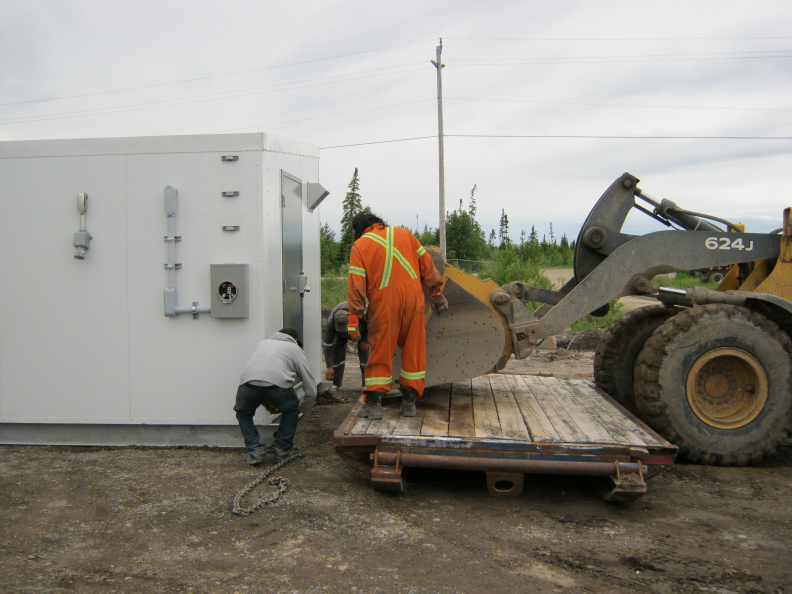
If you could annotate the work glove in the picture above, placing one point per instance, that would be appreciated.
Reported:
(352, 327)
(438, 302)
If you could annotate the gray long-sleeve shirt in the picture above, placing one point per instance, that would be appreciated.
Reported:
(278, 360)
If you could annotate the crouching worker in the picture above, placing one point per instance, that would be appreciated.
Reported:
(334, 344)
(268, 380)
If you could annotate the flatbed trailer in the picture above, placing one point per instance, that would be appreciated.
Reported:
(508, 425)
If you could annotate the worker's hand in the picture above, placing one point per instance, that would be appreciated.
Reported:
(329, 373)
(352, 327)
(365, 346)
(438, 302)
(271, 409)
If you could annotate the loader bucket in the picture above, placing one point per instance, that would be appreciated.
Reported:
(470, 338)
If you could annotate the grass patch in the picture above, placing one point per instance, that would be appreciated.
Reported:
(334, 290)
(683, 280)
(615, 311)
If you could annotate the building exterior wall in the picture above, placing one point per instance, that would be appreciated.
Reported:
(86, 342)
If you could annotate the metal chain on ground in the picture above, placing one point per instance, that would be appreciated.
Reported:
(281, 483)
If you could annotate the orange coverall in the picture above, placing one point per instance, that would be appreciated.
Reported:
(387, 266)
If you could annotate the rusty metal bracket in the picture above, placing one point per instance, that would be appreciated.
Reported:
(387, 477)
(625, 485)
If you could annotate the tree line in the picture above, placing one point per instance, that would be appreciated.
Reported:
(466, 240)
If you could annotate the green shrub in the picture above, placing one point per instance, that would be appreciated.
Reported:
(615, 311)
(334, 288)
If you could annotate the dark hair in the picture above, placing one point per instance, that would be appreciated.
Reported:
(364, 220)
(293, 333)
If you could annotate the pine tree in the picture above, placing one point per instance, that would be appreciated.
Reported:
(503, 232)
(472, 209)
(327, 249)
(465, 238)
(352, 205)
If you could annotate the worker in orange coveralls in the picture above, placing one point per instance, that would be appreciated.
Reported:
(387, 266)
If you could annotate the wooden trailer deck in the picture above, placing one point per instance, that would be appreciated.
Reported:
(507, 425)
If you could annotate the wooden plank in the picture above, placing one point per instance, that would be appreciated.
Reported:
(539, 426)
(460, 422)
(462, 388)
(361, 427)
(412, 425)
(574, 403)
(564, 425)
(485, 413)
(436, 412)
(509, 415)
(612, 418)
(383, 426)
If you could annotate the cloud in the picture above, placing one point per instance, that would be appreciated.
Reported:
(359, 73)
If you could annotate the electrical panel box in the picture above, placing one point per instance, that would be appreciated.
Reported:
(229, 288)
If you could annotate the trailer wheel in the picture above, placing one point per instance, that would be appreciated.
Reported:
(615, 357)
(716, 380)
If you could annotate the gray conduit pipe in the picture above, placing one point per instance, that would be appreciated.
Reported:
(171, 300)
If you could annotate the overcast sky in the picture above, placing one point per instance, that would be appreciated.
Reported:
(545, 102)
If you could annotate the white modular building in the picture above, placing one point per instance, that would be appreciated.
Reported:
(138, 275)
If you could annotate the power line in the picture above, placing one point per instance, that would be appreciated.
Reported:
(617, 137)
(188, 80)
(562, 136)
(564, 61)
(209, 97)
(708, 55)
(433, 136)
(617, 38)
(641, 56)
(619, 104)
(331, 115)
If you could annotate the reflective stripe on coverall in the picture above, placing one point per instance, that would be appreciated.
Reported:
(387, 265)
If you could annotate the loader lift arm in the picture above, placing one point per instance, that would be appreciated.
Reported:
(610, 264)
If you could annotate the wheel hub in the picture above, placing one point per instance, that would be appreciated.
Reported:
(727, 388)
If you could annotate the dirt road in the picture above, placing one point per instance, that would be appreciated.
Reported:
(159, 520)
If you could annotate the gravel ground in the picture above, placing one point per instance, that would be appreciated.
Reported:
(159, 520)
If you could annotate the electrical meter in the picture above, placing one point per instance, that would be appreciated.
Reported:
(229, 287)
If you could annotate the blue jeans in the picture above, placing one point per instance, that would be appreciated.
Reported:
(249, 398)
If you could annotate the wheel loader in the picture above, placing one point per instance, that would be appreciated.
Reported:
(708, 370)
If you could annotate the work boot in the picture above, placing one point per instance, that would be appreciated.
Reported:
(408, 402)
(258, 457)
(373, 408)
(281, 454)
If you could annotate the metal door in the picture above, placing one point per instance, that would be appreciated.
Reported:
(291, 234)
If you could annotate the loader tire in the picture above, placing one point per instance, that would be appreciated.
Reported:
(716, 380)
(614, 359)
(716, 277)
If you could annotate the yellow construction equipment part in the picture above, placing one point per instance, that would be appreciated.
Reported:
(471, 338)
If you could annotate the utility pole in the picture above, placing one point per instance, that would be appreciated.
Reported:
(439, 66)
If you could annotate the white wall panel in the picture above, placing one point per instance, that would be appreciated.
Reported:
(87, 341)
(191, 375)
(64, 338)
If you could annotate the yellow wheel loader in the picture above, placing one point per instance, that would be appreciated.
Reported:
(709, 370)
